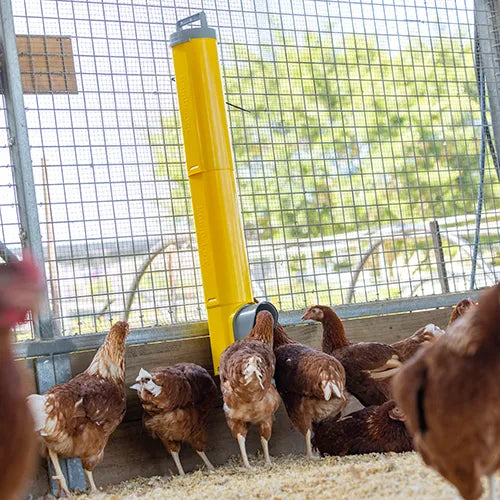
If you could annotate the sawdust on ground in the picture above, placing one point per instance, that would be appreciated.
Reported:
(374, 476)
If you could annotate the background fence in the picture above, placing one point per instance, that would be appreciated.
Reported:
(360, 142)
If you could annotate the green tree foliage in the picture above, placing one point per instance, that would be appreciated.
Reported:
(343, 137)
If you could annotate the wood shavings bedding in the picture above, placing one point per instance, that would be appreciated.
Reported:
(374, 476)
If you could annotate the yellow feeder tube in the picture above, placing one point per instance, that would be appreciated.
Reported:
(219, 229)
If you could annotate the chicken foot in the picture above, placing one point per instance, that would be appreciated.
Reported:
(265, 449)
(243, 450)
(309, 453)
(205, 459)
(90, 479)
(59, 477)
(175, 456)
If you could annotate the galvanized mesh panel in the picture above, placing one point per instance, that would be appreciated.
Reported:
(354, 124)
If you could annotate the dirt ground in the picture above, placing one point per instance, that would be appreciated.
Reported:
(375, 476)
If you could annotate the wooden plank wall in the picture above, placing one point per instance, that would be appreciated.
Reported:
(131, 452)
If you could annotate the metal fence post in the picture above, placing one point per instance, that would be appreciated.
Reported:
(21, 157)
(487, 24)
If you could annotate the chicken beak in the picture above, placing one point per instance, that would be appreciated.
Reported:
(306, 316)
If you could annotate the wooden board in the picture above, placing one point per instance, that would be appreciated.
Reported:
(131, 452)
(46, 64)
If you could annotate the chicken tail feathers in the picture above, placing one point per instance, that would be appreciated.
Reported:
(331, 388)
(252, 369)
(36, 404)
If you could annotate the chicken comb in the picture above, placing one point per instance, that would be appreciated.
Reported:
(27, 272)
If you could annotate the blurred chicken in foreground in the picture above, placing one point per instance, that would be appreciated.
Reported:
(246, 381)
(20, 292)
(449, 393)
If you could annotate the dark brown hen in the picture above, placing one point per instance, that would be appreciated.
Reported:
(449, 394)
(246, 380)
(310, 382)
(375, 429)
(368, 365)
(176, 402)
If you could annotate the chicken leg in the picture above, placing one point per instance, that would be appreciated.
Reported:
(90, 478)
(265, 449)
(175, 456)
(205, 459)
(243, 450)
(309, 453)
(493, 489)
(59, 477)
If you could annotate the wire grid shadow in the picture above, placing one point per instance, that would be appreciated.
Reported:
(356, 129)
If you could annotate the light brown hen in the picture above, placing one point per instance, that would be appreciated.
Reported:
(75, 419)
(246, 380)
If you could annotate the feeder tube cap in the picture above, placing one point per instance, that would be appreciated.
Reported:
(182, 36)
(244, 319)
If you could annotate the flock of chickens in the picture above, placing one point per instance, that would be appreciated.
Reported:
(435, 391)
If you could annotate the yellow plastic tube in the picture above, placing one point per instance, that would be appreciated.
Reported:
(219, 229)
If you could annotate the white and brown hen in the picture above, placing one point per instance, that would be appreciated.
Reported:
(246, 379)
(75, 419)
(176, 401)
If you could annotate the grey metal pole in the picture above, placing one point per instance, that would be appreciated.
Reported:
(21, 158)
(487, 24)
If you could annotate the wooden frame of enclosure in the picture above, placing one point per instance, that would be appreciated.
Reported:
(131, 452)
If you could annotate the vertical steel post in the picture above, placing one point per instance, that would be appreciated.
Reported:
(437, 243)
(21, 157)
(487, 24)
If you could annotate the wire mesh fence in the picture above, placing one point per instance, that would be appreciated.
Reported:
(358, 138)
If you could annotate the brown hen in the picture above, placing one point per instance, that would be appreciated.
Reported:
(368, 365)
(460, 309)
(246, 380)
(450, 396)
(75, 419)
(176, 402)
(20, 292)
(375, 429)
(407, 348)
(310, 382)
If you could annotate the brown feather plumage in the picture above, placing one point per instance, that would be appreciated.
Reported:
(358, 359)
(246, 374)
(80, 415)
(375, 429)
(460, 309)
(180, 411)
(304, 378)
(408, 347)
(449, 393)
